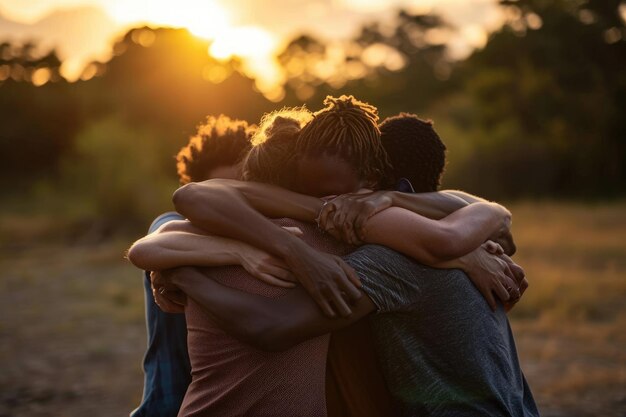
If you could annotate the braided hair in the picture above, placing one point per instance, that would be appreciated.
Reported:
(347, 128)
(220, 141)
(415, 150)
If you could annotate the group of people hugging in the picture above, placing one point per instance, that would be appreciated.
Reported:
(312, 268)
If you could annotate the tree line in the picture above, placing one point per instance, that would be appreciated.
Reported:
(537, 112)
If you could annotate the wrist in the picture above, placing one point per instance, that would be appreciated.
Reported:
(293, 250)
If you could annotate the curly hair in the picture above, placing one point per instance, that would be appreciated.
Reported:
(347, 127)
(220, 141)
(415, 150)
(271, 158)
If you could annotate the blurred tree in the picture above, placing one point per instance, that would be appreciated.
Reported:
(547, 96)
(166, 78)
(39, 113)
(399, 67)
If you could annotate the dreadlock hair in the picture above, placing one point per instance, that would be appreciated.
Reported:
(271, 159)
(220, 141)
(415, 150)
(347, 128)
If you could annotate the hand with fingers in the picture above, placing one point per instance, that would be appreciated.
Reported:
(266, 268)
(166, 295)
(517, 271)
(494, 274)
(345, 216)
(327, 278)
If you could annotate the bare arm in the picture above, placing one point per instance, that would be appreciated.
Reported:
(219, 207)
(434, 241)
(170, 249)
(349, 213)
(159, 251)
(268, 324)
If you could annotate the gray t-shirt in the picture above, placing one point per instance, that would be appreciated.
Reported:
(442, 350)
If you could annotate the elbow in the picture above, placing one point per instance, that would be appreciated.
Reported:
(501, 214)
(137, 255)
(185, 197)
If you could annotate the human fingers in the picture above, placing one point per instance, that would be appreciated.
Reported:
(318, 294)
(523, 286)
(488, 294)
(325, 216)
(272, 280)
(493, 248)
(339, 220)
(353, 277)
(501, 291)
(335, 297)
(352, 236)
(518, 273)
(278, 271)
(296, 231)
(165, 303)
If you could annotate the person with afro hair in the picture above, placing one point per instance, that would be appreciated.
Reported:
(216, 150)
(415, 151)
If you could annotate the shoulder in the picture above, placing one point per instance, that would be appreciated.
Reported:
(164, 218)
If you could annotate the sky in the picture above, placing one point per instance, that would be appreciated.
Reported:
(253, 29)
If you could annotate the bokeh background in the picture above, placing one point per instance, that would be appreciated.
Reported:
(96, 97)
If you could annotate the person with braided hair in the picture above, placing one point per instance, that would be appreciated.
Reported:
(483, 377)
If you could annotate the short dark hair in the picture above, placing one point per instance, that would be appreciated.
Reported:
(347, 128)
(271, 159)
(415, 150)
(220, 141)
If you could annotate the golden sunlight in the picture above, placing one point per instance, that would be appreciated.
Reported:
(203, 18)
(249, 42)
(208, 20)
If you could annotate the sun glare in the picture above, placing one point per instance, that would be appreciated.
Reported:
(203, 18)
(206, 19)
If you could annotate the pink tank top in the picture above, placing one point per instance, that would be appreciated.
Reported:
(230, 378)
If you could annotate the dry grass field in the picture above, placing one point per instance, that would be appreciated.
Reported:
(72, 331)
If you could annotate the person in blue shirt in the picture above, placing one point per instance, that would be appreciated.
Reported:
(215, 151)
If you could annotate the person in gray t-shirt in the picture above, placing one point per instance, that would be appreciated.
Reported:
(442, 350)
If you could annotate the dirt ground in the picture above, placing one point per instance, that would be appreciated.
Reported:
(72, 331)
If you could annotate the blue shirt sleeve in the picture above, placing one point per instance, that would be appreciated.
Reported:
(164, 218)
(167, 371)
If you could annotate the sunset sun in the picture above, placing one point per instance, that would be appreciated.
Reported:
(210, 21)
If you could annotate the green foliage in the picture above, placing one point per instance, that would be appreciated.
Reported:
(115, 174)
(537, 112)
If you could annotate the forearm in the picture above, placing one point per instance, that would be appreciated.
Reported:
(237, 210)
(436, 205)
(166, 250)
(434, 241)
(473, 225)
(269, 324)
(467, 197)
